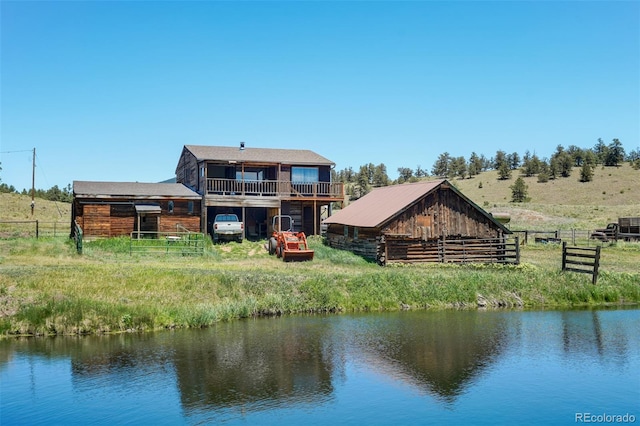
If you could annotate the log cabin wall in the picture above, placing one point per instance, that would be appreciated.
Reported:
(442, 213)
(360, 241)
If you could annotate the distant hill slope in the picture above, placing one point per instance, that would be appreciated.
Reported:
(18, 207)
(563, 202)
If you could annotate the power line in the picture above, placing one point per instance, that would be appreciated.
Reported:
(12, 152)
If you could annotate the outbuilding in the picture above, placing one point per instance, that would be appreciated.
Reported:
(420, 222)
(110, 209)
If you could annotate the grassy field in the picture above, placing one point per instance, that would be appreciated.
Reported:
(47, 288)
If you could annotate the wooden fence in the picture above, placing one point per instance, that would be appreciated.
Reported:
(581, 259)
(401, 249)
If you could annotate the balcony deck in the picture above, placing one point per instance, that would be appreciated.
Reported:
(283, 190)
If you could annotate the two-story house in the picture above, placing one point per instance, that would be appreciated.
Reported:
(260, 183)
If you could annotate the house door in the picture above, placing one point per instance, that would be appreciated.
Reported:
(307, 220)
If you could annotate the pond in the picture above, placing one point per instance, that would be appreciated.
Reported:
(426, 367)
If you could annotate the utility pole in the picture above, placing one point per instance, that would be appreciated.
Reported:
(33, 182)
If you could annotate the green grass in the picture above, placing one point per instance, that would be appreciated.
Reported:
(46, 288)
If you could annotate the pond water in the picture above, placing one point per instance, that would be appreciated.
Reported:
(444, 367)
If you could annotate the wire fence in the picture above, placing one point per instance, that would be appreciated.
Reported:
(180, 243)
(33, 229)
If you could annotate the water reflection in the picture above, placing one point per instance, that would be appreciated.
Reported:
(263, 365)
(437, 352)
(255, 363)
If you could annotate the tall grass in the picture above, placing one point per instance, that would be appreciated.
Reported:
(47, 288)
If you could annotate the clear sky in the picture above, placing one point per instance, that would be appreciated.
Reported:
(112, 90)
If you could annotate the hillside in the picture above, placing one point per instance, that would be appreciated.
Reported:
(563, 203)
(18, 207)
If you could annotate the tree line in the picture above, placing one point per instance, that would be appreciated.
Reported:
(369, 176)
(559, 165)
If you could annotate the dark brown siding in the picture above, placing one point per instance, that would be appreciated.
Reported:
(187, 171)
(96, 220)
(442, 213)
(119, 217)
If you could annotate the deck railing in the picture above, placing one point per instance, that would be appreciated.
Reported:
(274, 188)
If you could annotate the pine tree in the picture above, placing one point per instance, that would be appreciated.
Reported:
(586, 173)
(519, 191)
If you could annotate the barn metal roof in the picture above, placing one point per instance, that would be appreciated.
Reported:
(93, 189)
(382, 204)
(259, 155)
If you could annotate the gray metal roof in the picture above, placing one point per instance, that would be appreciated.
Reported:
(145, 208)
(381, 204)
(131, 189)
(260, 155)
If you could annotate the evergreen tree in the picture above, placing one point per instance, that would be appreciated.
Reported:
(504, 171)
(513, 160)
(442, 165)
(586, 173)
(380, 177)
(459, 167)
(405, 174)
(614, 154)
(519, 191)
(600, 151)
(499, 160)
(475, 164)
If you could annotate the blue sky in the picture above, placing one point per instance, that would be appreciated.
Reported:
(113, 90)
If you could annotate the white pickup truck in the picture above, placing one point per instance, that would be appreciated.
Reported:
(227, 227)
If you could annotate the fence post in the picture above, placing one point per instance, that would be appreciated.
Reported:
(596, 265)
(78, 238)
(517, 250)
(37, 229)
(564, 255)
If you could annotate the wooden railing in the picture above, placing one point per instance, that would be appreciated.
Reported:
(581, 259)
(400, 249)
(274, 188)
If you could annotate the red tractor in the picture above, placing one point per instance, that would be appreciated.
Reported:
(289, 245)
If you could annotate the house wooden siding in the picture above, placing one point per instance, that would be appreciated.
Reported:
(239, 180)
(110, 209)
(118, 217)
(439, 215)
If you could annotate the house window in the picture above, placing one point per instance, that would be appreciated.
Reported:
(170, 206)
(190, 207)
(346, 231)
(304, 174)
(355, 232)
(251, 175)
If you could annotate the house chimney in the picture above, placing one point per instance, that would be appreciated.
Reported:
(241, 146)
